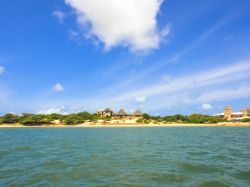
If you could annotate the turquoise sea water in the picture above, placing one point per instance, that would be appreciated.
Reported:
(167, 156)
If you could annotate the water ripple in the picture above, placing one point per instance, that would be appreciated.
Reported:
(216, 156)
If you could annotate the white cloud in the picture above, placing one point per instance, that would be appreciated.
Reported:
(206, 106)
(180, 99)
(53, 110)
(167, 78)
(73, 34)
(130, 23)
(2, 69)
(58, 87)
(241, 91)
(217, 84)
(60, 15)
(212, 77)
(141, 99)
(223, 83)
(165, 31)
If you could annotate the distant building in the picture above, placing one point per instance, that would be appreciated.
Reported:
(121, 114)
(137, 113)
(235, 116)
(105, 113)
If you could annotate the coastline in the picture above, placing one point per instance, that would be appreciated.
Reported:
(126, 125)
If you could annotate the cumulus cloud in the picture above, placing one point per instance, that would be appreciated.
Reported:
(130, 23)
(60, 15)
(2, 69)
(206, 106)
(58, 87)
(141, 99)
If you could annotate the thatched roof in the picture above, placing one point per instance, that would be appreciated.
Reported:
(108, 110)
(137, 113)
(247, 110)
(121, 112)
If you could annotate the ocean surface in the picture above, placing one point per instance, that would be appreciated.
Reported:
(164, 156)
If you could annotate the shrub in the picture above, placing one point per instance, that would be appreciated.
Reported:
(146, 116)
(140, 120)
(38, 119)
(73, 119)
(10, 118)
(245, 120)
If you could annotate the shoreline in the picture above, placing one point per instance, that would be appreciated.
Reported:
(126, 125)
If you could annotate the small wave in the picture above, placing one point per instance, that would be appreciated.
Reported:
(163, 177)
(198, 168)
(213, 183)
(245, 175)
(23, 148)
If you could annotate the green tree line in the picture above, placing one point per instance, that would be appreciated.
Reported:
(81, 117)
(43, 119)
(178, 118)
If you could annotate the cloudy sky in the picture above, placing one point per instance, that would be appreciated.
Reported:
(162, 56)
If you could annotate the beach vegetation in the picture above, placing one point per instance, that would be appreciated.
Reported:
(9, 118)
(146, 116)
(143, 121)
(38, 119)
(73, 119)
(81, 117)
(245, 120)
(178, 118)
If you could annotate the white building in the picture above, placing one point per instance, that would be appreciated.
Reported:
(235, 116)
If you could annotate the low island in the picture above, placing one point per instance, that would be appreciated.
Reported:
(107, 118)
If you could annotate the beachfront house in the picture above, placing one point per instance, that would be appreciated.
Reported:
(121, 114)
(229, 115)
(137, 113)
(105, 113)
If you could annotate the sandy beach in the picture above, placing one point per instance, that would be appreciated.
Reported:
(126, 125)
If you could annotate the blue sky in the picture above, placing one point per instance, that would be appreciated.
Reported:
(164, 57)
